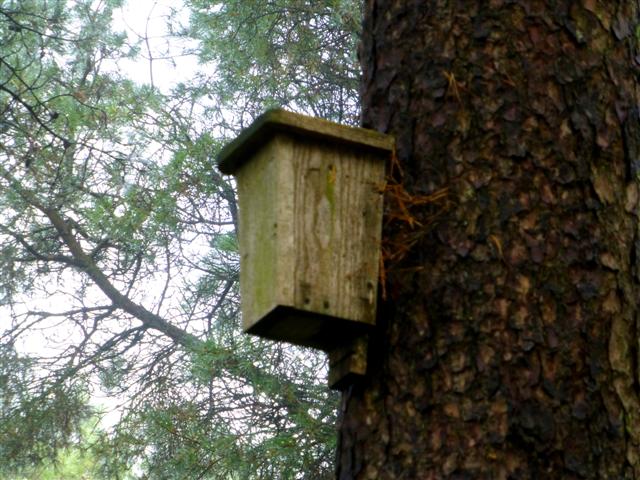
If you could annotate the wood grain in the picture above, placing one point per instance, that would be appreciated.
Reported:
(310, 223)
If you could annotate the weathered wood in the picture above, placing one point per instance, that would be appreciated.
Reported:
(241, 149)
(310, 214)
(348, 363)
(310, 198)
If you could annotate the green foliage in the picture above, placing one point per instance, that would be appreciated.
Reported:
(294, 53)
(38, 417)
(294, 435)
(80, 460)
(118, 251)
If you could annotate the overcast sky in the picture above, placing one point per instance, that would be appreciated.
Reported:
(162, 62)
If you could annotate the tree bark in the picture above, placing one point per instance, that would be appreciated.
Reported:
(509, 346)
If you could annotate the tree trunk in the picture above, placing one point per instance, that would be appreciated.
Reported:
(509, 345)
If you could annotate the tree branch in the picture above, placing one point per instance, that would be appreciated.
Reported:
(149, 319)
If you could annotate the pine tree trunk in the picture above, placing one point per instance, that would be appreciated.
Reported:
(509, 343)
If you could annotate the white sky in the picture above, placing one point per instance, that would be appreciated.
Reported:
(145, 21)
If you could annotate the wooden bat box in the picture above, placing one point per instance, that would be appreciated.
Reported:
(310, 213)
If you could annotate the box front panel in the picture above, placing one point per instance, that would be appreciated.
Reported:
(337, 221)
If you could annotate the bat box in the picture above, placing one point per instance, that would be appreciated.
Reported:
(310, 214)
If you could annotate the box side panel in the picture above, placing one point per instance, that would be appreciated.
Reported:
(337, 225)
(258, 234)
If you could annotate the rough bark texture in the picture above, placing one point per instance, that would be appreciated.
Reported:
(509, 347)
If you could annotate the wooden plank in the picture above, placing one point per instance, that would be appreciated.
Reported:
(336, 211)
(238, 151)
(258, 236)
(348, 363)
(309, 240)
